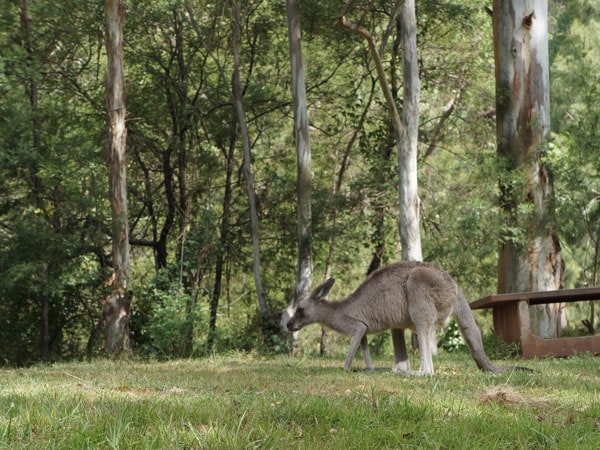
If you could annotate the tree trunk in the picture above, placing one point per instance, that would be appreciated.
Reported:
(237, 100)
(117, 304)
(168, 178)
(410, 234)
(304, 171)
(532, 263)
(405, 129)
(239, 108)
(223, 237)
(303, 155)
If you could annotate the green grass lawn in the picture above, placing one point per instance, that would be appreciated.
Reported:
(250, 401)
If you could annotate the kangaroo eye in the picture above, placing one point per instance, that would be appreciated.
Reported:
(300, 311)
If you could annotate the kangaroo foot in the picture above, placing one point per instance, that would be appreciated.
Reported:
(401, 367)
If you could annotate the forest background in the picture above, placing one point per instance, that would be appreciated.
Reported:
(189, 221)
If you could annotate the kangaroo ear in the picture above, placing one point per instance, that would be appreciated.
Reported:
(322, 290)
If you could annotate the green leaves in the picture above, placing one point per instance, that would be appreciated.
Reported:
(574, 152)
(54, 210)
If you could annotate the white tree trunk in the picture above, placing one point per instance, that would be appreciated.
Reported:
(406, 129)
(523, 127)
(301, 135)
(304, 266)
(410, 234)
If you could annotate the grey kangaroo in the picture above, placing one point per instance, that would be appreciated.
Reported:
(415, 295)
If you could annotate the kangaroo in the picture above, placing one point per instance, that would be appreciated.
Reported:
(415, 295)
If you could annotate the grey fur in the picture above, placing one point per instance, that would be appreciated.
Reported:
(415, 295)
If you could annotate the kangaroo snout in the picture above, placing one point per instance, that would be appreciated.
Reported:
(298, 320)
(292, 326)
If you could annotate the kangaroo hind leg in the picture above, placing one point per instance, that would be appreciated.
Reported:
(427, 301)
(424, 336)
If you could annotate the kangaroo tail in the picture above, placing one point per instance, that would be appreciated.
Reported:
(470, 331)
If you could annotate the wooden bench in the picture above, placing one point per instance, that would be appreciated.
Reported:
(511, 321)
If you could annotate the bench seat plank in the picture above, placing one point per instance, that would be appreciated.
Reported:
(539, 298)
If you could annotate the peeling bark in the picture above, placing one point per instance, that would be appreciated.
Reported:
(117, 325)
(115, 309)
(523, 128)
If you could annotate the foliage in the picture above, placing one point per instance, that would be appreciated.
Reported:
(262, 332)
(451, 340)
(187, 199)
(246, 400)
(164, 319)
(575, 150)
(498, 348)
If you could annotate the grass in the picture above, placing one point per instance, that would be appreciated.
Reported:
(250, 401)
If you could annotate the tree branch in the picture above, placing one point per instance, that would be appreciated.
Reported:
(446, 113)
(393, 110)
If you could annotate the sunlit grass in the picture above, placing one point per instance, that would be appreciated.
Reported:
(250, 401)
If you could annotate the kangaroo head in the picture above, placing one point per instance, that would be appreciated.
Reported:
(306, 309)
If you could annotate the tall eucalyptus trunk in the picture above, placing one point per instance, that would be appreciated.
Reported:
(405, 128)
(410, 234)
(303, 155)
(531, 261)
(304, 267)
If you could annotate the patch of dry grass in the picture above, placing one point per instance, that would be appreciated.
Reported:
(506, 395)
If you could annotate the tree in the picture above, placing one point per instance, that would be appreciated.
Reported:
(33, 92)
(51, 216)
(410, 235)
(303, 157)
(117, 305)
(530, 254)
(238, 104)
(235, 93)
(188, 207)
(405, 128)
